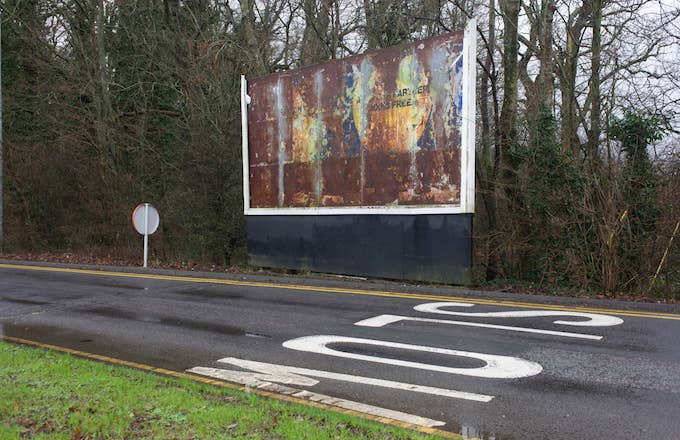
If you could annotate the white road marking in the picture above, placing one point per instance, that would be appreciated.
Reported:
(258, 381)
(594, 319)
(383, 320)
(498, 367)
(297, 376)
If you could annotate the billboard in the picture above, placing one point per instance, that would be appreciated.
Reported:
(386, 132)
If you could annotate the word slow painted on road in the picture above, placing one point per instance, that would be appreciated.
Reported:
(278, 378)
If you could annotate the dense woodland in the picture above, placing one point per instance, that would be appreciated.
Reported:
(109, 103)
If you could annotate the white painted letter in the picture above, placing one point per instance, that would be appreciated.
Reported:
(383, 320)
(594, 319)
(498, 367)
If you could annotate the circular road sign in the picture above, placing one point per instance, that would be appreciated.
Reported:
(145, 219)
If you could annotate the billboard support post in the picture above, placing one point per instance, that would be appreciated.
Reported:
(244, 147)
(469, 113)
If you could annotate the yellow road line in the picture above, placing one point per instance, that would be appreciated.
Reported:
(201, 379)
(342, 290)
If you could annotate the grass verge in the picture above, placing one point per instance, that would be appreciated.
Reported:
(50, 395)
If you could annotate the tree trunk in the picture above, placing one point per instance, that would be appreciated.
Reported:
(487, 165)
(539, 92)
(567, 74)
(508, 120)
(249, 37)
(314, 45)
(594, 84)
(102, 97)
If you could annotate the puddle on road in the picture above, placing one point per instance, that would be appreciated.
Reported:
(112, 285)
(91, 341)
(217, 293)
(207, 293)
(47, 334)
(110, 312)
(174, 321)
(202, 326)
(472, 433)
(24, 301)
(56, 277)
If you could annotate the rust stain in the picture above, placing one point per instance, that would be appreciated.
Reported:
(380, 129)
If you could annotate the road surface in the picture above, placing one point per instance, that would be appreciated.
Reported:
(479, 364)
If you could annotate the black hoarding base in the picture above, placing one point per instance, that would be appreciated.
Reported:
(435, 247)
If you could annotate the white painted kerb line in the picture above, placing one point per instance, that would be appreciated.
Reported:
(383, 320)
(254, 380)
(497, 367)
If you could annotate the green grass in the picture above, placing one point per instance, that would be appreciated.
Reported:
(50, 395)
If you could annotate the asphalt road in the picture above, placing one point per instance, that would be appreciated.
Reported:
(472, 366)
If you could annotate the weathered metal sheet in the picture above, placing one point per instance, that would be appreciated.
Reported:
(377, 130)
(431, 247)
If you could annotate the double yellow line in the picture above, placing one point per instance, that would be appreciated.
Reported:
(299, 287)
(343, 290)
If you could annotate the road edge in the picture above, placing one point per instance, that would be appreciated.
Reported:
(222, 384)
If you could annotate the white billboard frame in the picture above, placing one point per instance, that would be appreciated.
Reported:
(467, 172)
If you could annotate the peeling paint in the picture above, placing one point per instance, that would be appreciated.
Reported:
(380, 129)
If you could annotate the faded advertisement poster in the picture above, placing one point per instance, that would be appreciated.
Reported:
(377, 130)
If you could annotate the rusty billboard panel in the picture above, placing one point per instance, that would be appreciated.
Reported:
(381, 130)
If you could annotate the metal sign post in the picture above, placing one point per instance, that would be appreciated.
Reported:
(145, 220)
(146, 234)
